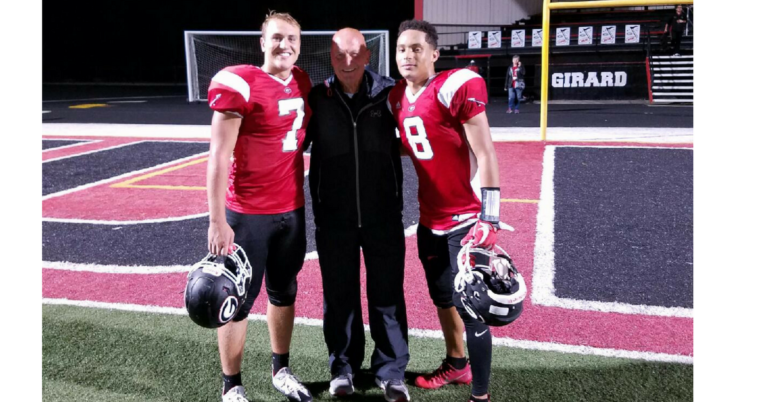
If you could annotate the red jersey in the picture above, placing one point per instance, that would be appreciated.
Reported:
(267, 171)
(430, 127)
(514, 76)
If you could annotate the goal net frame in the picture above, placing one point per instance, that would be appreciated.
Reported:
(191, 56)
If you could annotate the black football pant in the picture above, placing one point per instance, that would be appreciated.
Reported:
(676, 38)
(383, 249)
(275, 246)
(438, 255)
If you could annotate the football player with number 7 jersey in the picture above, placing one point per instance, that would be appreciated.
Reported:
(444, 129)
(256, 198)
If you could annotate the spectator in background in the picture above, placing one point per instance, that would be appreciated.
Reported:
(515, 84)
(675, 27)
(473, 67)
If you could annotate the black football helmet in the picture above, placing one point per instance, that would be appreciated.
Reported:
(493, 293)
(217, 287)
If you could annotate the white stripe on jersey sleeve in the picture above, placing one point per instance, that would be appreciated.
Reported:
(453, 83)
(233, 81)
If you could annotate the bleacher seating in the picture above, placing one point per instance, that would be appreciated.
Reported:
(651, 21)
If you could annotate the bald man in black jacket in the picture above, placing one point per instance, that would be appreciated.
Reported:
(355, 180)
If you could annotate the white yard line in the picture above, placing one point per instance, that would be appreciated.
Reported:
(595, 134)
(500, 134)
(413, 332)
(125, 223)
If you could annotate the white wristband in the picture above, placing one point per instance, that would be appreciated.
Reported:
(490, 204)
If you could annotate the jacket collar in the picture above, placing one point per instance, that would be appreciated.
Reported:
(372, 83)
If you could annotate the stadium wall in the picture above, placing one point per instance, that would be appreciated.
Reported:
(480, 12)
(628, 66)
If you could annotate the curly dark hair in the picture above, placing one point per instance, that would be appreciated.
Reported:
(420, 25)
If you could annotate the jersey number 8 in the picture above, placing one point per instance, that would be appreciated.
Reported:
(418, 138)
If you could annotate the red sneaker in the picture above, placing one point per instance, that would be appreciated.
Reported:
(445, 374)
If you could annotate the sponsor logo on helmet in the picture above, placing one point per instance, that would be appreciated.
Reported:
(212, 270)
(228, 309)
(502, 311)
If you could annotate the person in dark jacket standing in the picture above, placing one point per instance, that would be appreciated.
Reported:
(515, 84)
(355, 180)
(676, 26)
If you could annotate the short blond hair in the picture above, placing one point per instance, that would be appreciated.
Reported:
(280, 16)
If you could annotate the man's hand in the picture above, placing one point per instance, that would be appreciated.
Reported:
(220, 238)
(482, 235)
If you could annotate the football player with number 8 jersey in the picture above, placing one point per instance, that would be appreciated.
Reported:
(444, 129)
(255, 193)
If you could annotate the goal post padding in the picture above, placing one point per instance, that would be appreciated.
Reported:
(207, 52)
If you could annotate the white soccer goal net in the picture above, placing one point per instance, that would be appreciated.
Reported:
(210, 51)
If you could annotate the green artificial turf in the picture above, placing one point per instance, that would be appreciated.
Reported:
(107, 355)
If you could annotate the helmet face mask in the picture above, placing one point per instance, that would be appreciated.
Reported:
(492, 293)
(216, 288)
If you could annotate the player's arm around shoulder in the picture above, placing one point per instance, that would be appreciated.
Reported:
(224, 131)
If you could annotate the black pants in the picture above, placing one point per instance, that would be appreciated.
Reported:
(676, 37)
(384, 252)
(275, 246)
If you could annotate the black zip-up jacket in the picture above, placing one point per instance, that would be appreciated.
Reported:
(355, 172)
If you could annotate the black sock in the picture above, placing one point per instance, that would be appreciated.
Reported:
(456, 362)
(278, 362)
(230, 381)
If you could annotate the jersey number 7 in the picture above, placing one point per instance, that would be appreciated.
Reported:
(285, 107)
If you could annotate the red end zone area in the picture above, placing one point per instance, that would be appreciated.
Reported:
(178, 190)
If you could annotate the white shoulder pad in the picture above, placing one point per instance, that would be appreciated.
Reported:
(233, 81)
(452, 84)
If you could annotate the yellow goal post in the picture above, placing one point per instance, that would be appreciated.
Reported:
(564, 5)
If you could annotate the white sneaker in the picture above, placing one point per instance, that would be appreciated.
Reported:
(290, 386)
(235, 394)
(342, 385)
(394, 390)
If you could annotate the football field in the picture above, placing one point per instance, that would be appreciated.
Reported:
(111, 355)
(602, 225)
